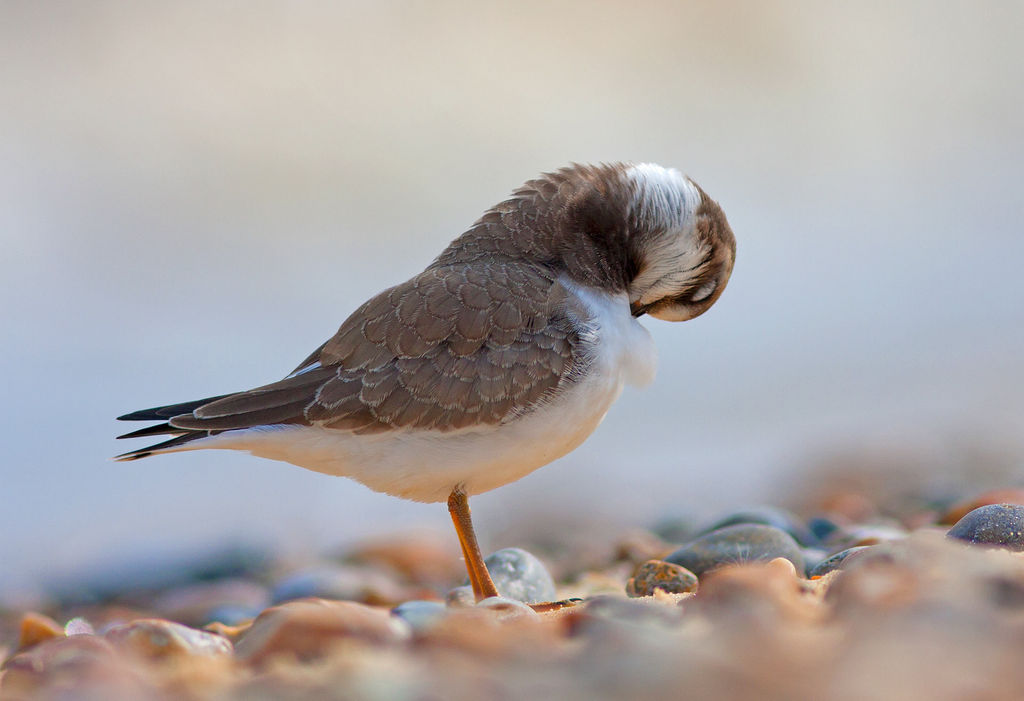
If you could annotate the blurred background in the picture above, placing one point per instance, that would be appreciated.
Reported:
(194, 195)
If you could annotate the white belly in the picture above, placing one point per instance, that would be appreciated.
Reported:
(427, 465)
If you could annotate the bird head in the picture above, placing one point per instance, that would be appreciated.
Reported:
(681, 244)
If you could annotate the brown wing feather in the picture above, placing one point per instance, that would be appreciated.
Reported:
(455, 346)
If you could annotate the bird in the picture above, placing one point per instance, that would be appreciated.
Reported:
(502, 356)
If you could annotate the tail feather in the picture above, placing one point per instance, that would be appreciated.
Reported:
(181, 436)
(280, 402)
(175, 442)
(158, 430)
(162, 413)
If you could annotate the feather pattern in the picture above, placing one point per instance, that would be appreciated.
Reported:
(494, 328)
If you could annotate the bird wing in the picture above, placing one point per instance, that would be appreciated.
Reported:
(456, 346)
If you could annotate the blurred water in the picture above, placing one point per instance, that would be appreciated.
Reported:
(194, 195)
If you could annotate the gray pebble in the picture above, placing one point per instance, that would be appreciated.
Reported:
(735, 544)
(836, 561)
(420, 615)
(996, 524)
(517, 574)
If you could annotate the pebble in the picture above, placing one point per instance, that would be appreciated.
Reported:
(766, 590)
(995, 524)
(773, 516)
(874, 628)
(78, 626)
(36, 628)
(305, 630)
(736, 544)
(836, 561)
(485, 639)
(420, 614)
(658, 574)
(874, 585)
(80, 666)
(155, 638)
(517, 575)
(507, 608)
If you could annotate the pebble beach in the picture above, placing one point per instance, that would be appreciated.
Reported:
(842, 601)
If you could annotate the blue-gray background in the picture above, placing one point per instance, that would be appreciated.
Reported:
(194, 195)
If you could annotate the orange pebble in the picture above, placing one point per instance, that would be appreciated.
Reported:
(36, 628)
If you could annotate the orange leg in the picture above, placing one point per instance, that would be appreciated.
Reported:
(479, 577)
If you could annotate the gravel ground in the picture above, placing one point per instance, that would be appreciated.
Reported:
(844, 601)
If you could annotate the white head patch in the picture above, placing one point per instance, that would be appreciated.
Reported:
(665, 203)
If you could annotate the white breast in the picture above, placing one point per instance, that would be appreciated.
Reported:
(427, 465)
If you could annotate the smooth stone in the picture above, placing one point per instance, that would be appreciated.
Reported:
(306, 630)
(517, 575)
(155, 638)
(746, 542)
(996, 524)
(419, 614)
(767, 516)
(69, 666)
(770, 591)
(341, 582)
(36, 628)
(507, 608)
(658, 574)
(78, 626)
(836, 561)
